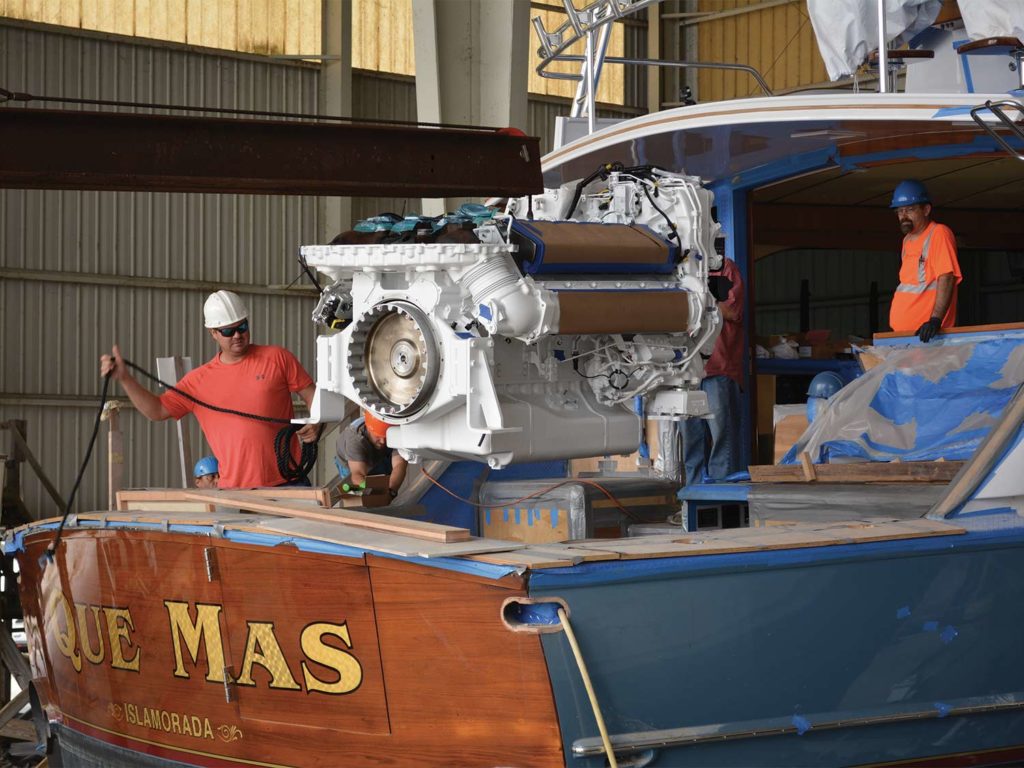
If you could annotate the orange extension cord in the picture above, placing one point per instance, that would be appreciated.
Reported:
(582, 481)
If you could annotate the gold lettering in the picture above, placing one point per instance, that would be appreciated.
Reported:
(186, 725)
(207, 730)
(119, 627)
(261, 648)
(67, 638)
(175, 722)
(93, 657)
(347, 666)
(165, 720)
(206, 629)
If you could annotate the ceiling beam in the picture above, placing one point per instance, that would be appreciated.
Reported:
(778, 227)
(63, 149)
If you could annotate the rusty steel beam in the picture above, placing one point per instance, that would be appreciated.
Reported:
(62, 149)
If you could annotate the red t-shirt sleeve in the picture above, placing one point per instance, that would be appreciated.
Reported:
(175, 404)
(942, 254)
(294, 373)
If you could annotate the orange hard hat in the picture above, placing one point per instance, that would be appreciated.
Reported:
(375, 426)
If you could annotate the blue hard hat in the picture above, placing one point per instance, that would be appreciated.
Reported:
(815, 405)
(825, 384)
(206, 466)
(909, 192)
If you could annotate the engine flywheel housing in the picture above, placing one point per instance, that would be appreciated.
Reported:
(394, 359)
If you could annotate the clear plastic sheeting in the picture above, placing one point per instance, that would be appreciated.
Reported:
(847, 30)
(921, 403)
(993, 18)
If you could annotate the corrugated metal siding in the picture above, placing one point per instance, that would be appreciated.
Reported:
(383, 97)
(54, 332)
(778, 41)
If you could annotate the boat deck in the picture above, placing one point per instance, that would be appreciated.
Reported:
(347, 539)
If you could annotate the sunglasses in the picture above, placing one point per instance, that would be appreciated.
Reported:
(227, 333)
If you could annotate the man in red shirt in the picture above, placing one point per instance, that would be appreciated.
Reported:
(242, 376)
(925, 299)
(720, 456)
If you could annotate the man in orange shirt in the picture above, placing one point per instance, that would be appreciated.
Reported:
(925, 299)
(242, 376)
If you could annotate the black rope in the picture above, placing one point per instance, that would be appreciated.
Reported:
(81, 472)
(291, 471)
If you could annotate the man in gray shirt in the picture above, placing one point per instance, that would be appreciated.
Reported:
(363, 450)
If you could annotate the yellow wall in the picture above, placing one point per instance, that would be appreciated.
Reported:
(382, 38)
(611, 88)
(778, 41)
(279, 27)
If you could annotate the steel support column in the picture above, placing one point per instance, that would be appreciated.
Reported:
(57, 149)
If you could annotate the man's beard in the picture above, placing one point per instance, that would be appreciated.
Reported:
(906, 226)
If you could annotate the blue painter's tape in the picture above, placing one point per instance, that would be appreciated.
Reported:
(505, 513)
(803, 725)
(942, 709)
(930, 626)
(554, 517)
(949, 634)
(487, 516)
(458, 565)
(987, 512)
(545, 614)
(484, 312)
(519, 513)
(903, 612)
(464, 335)
(529, 517)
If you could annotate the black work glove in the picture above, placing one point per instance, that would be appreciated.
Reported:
(928, 330)
(720, 287)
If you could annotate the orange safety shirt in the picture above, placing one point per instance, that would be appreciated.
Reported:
(926, 256)
(260, 383)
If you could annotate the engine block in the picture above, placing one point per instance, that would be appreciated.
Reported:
(538, 333)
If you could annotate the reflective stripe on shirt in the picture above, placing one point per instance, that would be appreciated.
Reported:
(920, 286)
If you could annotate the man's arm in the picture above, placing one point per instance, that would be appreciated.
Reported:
(311, 432)
(359, 470)
(729, 312)
(145, 402)
(944, 295)
(398, 470)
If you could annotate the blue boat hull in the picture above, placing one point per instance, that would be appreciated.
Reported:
(845, 655)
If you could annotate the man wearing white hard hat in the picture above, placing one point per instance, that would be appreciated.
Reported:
(242, 376)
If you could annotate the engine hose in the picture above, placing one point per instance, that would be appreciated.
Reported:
(292, 471)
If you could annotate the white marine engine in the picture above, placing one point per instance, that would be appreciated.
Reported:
(528, 335)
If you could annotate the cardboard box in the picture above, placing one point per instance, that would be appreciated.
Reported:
(787, 432)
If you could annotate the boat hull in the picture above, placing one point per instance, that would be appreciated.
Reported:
(209, 652)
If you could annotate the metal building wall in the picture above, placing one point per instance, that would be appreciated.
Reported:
(777, 39)
(81, 270)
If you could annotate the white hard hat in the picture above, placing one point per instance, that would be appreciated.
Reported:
(224, 308)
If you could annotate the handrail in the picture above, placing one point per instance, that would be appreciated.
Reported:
(996, 108)
(670, 64)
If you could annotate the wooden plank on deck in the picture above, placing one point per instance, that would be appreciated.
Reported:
(863, 472)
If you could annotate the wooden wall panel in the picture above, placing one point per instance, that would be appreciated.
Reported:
(382, 36)
(777, 40)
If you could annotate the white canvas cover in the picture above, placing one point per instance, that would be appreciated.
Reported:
(993, 18)
(847, 30)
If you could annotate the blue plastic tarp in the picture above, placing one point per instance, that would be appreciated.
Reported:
(921, 403)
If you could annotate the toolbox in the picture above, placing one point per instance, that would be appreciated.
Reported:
(572, 509)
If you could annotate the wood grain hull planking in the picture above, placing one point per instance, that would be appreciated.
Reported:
(209, 652)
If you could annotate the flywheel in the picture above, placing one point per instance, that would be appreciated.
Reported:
(394, 359)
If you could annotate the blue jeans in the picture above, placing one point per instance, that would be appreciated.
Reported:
(718, 457)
